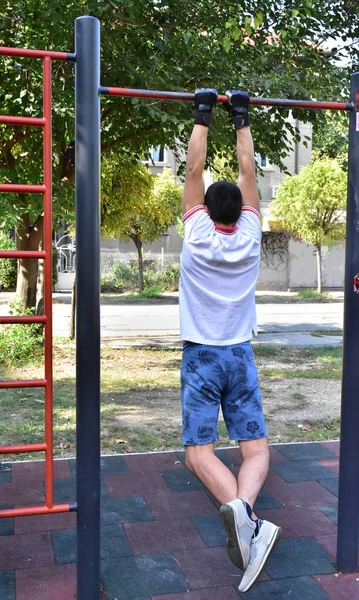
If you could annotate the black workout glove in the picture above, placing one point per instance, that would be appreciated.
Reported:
(237, 105)
(204, 101)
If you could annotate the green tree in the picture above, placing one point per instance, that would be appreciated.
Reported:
(137, 206)
(311, 205)
(266, 48)
(331, 137)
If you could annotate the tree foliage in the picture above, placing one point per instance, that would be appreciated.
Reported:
(311, 205)
(266, 48)
(136, 205)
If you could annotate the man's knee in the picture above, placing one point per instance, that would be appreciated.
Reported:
(195, 455)
(258, 448)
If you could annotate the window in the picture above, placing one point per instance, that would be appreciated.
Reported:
(262, 161)
(158, 154)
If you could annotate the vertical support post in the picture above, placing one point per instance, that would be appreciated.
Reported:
(348, 507)
(47, 162)
(87, 162)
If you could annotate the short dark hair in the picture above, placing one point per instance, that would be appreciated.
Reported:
(224, 202)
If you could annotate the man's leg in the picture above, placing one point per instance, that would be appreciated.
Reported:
(253, 471)
(215, 476)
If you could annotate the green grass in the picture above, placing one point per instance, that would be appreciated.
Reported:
(309, 363)
(311, 294)
(313, 431)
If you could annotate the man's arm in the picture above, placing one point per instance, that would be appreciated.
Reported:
(247, 182)
(193, 193)
(238, 103)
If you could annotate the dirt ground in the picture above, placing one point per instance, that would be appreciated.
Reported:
(287, 402)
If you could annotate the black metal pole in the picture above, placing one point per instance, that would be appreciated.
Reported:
(348, 507)
(87, 160)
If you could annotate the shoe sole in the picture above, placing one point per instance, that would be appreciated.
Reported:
(273, 543)
(232, 541)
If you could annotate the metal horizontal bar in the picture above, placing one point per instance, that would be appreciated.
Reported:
(29, 121)
(18, 449)
(23, 254)
(135, 93)
(27, 53)
(19, 383)
(22, 319)
(35, 510)
(22, 188)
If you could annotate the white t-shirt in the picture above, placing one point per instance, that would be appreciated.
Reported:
(219, 270)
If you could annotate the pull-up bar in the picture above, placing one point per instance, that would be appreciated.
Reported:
(311, 104)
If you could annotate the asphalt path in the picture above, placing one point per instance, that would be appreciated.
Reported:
(163, 320)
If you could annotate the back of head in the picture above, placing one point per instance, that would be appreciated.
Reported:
(224, 202)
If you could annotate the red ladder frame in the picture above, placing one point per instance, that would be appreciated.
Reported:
(46, 254)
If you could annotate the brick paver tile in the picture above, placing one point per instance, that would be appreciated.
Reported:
(299, 521)
(7, 585)
(135, 483)
(153, 462)
(48, 583)
(331, 463)
(162, 536)
(181, 481)
(340, 586)
(302, 470)
(178, 505)
(276, 456)
(329, 543)
(44, 523)
(25, 551)
(332, 446)
(298, 557)
(304, 451)
(141, 577)
(209, 568)
(301, 493)
(296, 588)
(22, 493)
(224, 593)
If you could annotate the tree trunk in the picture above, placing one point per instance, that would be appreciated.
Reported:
(138, 244)
(28, 237)
(40, 287)
(318, 249)
(73, 309)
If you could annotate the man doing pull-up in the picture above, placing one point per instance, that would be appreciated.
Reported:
(219, 270)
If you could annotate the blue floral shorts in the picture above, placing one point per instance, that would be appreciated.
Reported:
(214, 376)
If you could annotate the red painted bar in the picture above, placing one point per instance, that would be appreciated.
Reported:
(26, 53)
(47, 164)
(20, 383)
(22, 254)
(19, 448)
(164, 95)
(30, 121)
(22, 319)
(22, 188)
(34, 510)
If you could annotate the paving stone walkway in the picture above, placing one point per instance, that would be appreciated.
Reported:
(162, 538)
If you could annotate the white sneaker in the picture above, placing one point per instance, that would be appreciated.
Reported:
(240, 529)
(261, 547)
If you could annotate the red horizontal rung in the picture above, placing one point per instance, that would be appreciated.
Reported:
(19, 383)
(23, 448)
(35, 510)
(26, 53)
(22, 188)
(22, 319)
(30, 121)
(22, 254)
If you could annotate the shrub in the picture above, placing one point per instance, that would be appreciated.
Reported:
(153, 291)
(8, 266)
(21, 344)
(123, 276)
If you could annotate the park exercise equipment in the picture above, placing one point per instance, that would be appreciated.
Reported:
(87, 162)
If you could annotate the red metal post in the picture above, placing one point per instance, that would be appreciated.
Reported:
(23, 319)
(22, 254)
(22, 188)
(22, 383)
(47, 162)
(27, 121)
